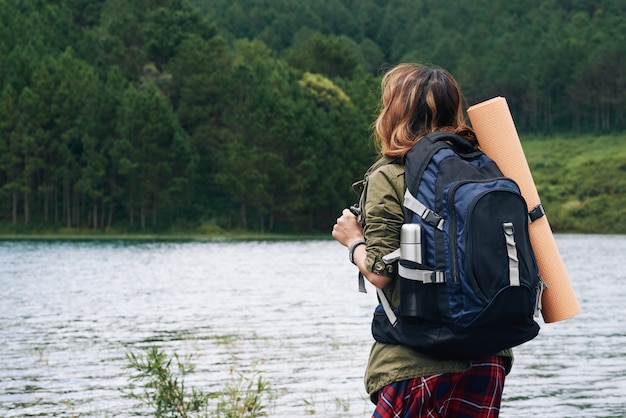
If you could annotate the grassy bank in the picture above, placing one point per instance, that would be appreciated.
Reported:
(581, 181)
(203, 232)
(191, 236)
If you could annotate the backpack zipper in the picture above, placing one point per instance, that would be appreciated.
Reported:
(452, 235)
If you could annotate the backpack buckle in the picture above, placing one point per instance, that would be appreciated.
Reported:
(433, 218)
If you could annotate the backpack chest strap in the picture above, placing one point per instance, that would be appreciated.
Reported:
(417, 207)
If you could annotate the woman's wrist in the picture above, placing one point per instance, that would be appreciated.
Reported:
(353, 246)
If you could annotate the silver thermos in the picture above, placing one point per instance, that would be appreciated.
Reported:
(411, 242)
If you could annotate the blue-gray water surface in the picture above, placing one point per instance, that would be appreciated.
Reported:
(287, 311)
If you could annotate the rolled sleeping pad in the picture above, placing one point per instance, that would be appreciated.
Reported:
(498, 139)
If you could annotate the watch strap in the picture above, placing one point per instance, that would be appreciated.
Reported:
(352, 248)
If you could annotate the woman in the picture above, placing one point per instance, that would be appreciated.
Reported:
(416, 100)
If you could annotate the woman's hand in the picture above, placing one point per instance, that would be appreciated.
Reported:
(347, 230)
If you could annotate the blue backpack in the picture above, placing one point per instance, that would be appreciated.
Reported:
(468, 277)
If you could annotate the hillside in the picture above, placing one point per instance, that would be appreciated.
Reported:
(171, 115)
(581, 181)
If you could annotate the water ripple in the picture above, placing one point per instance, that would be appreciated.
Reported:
(71, 311)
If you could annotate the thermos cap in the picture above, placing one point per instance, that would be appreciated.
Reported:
(411, 234)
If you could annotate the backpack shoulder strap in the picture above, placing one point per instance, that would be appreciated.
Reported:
(420, 155)
(456, 142)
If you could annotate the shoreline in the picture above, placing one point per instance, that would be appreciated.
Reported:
(190, 237)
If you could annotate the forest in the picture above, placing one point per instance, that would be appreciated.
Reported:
(210, 115)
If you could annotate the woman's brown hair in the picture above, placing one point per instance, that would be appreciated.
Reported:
(417, 100)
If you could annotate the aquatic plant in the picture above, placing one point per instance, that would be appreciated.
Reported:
(154, 384)
(245, 397)
(161, 389)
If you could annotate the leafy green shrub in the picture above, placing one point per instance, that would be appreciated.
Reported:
(245, 396)
(162, 390)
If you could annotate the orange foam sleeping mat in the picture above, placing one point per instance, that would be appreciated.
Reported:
(498, 139)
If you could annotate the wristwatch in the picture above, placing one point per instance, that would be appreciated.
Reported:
(352, 248)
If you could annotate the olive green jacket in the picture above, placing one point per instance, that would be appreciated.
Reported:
(383, 215)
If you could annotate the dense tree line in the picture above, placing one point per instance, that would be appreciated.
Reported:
(558, 61)
(138, 115)
(171, 114)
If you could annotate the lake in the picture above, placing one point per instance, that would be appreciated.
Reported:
(288, 311)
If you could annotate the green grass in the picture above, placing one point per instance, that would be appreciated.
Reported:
(581, 181)
(191, 236)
